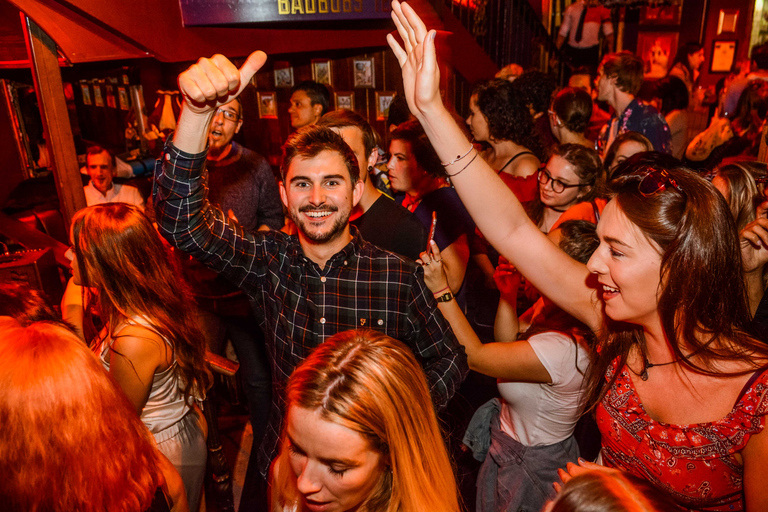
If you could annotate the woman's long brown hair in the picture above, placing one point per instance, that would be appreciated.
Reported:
(122, 256)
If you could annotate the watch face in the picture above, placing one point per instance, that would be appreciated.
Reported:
(445, 297)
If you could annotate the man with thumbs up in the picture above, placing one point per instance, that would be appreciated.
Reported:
(306, 287)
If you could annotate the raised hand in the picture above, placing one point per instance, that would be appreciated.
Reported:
(210, 83)
(434, 273)
(421, 76)
(754, 244)
(507, 279)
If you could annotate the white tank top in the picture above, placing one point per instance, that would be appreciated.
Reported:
(165, 405)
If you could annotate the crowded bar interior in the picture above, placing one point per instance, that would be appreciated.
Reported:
(347, 255)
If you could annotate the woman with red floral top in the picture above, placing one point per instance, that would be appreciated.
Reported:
(680, 387)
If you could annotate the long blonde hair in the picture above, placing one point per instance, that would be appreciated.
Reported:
(372, 384)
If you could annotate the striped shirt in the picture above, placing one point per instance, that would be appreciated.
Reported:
(298, 304)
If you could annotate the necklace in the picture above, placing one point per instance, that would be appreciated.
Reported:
(647, 365)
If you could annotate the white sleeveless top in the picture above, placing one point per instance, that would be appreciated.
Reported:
(165, 406)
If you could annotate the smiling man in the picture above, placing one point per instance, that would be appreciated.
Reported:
(100, 165)
(306, 287)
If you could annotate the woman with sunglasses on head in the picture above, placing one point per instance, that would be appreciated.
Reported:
(150, 342)
(678, 386)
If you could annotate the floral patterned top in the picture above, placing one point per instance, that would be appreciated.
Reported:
(695, 464)
(642, 118)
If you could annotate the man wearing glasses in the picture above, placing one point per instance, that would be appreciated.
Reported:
(240, 180)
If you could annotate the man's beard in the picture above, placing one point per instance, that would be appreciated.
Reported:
(336, 230)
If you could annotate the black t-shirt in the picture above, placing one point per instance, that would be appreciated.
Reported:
(388, 225)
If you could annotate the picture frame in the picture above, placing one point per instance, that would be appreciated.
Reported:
(85, 90)
(383, 100)
(344, 100)
(284, 77)
(657, 49)
(660, 15)
(122, 99)
(726, 22)
(98, 99)
(110, 93)
(321, 71)
(364, 73)
(723, 55)
(267, 105)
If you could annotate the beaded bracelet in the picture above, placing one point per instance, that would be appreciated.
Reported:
(458, 157)
(462, 169)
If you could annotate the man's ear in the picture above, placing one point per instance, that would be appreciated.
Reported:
(357, 191)
(239, 125)
(283, 194)
(318, 110)
(372, 159)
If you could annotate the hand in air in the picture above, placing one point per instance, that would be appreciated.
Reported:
(434, 273)
(754, 243)
(507, 279)
(421, 76)
(210, 83)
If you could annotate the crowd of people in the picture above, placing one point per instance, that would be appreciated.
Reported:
(622, 265)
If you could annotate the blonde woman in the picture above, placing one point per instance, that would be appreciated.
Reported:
(360, 433)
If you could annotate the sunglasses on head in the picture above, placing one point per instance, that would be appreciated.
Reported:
(655, 181)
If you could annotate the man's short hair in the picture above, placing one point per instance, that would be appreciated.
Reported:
(346, 118)
(310, 141)
(97, 150)
(626, 68)
(318, 93)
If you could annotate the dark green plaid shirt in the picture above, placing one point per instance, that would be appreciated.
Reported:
(298, 304)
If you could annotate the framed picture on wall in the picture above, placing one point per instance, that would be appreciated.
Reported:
(344, 100)
(723, 53)
(122, 98)
(284, 77)
(657, 49)
(383, 99)
(321, 72)
(727, 20)
(364, 73)
(98, 100)
(267, 105)
(85, 89)
(111, 103)
(660, 15)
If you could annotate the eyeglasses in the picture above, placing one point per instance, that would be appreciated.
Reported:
(557, 185)
(228, 114)
(656, 181)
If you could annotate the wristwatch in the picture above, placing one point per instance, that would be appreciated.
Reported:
(446, 297)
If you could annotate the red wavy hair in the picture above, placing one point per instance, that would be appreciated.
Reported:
(70, 440)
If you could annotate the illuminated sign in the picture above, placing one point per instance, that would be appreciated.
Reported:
(228, 12)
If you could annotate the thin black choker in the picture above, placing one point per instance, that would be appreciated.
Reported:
(647, 365)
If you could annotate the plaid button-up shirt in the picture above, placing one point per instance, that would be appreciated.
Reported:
(298, 304)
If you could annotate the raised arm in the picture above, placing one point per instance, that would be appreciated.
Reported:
(184, 216)
(494, 208)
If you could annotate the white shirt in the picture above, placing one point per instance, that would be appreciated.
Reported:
(117, 194)
(537, 414)
(597, 17)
